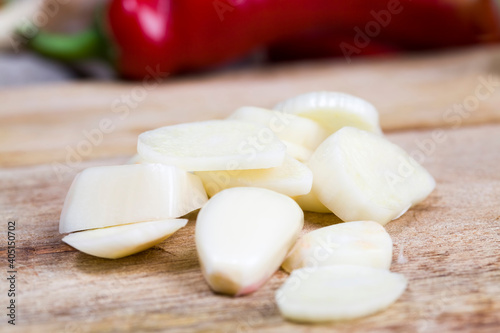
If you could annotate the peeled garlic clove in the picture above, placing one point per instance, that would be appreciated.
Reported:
(300, 153)
(338, 292)
(362, 176)
(288, 127)
(114, 195)
(310, 202)
(291, 178)
(136, 159)
(124, 240)
(242, 236)
(363, 243)
(333, 110)
(213, 145)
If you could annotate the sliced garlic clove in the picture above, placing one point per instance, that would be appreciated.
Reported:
(136, 159)
(310, 203)
(363, 243)
(298, 152)
(114, 195)
(362, 176)
(291, 178)
(242, 236)
(213, 145)
(333, 110)
(338, 292)
(288, 127)
(124, 240)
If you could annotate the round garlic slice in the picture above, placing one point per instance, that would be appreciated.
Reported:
(288, 127)
(213, 145)
(338, 292)
(333, 110)
(362, 176)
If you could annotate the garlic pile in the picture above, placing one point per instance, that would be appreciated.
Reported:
(322, 152)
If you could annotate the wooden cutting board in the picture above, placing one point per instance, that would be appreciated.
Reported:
(443, 108)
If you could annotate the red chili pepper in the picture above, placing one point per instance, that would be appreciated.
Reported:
(433, 24)
(171, 36)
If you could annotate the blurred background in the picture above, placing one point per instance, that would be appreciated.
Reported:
(20, 65)
(80, 80)
(63, 40)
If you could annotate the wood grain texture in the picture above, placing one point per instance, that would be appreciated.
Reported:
(40, 124)
(448, 246)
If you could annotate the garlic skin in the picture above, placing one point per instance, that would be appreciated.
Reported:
(242, 236)
(114, 195)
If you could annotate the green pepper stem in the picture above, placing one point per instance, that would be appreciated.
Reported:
(79, 46)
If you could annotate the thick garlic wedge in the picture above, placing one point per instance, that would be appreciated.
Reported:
(363, 243)
(362, 176)
(310, 203)
(242, 236)
(300, 153)
(291, 178)
(333, 110)
(338, 292)
(123, 240)
(136, 159)
(288, 127)
(114, 195)
(213, 145)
